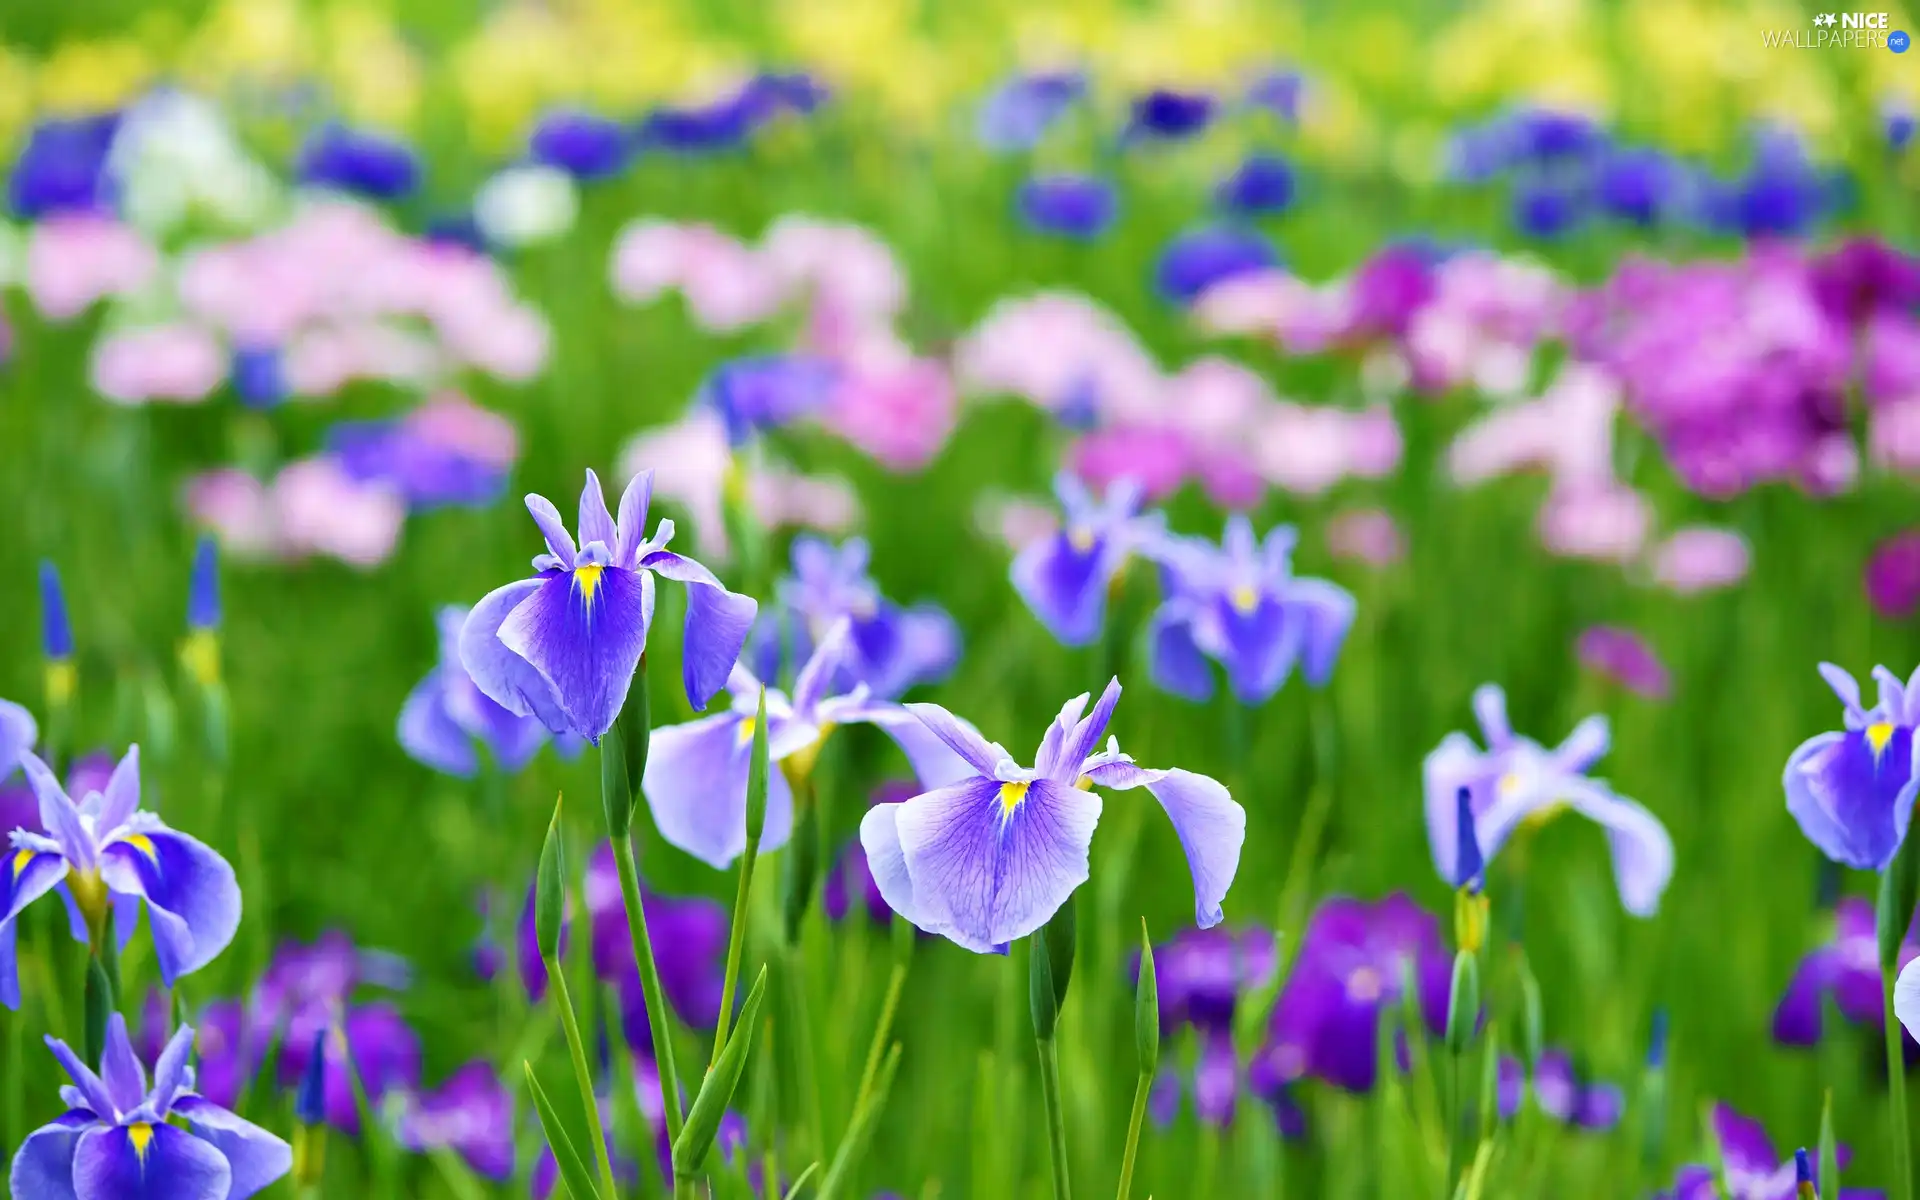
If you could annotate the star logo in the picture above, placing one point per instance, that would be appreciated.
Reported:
(1826, 19)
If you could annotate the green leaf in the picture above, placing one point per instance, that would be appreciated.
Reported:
(1829, 1150)
(573, 1172)
(1463, 1002)
(1146, 1007)
(854, 1143)
(757, 774)
(793, 1193)
(716, 1090)
(549, 891)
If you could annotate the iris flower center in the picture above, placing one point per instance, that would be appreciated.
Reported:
(1011, 794)
(90, 897)
(746, 729)
(20, 860)
(586, 577)
(1080, 538)
(1244, 598)
(141, 1135)
(1878, 735)
(1363, 986)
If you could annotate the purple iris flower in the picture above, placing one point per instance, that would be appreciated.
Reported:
(62, 168)
(526, 945)
(1170, 115)
(258, 375)
(891, 648)
(1638, 184)
(1259, 186)
(1852, 791)
(116, 1140)
(471, 1114)
(583, 144)
(359, 161)
(690, 948)
(1351, 967)
(427, 472)
(563, 645)
(105, 852)
(1279, 93)
(1202, 973)
(1241, 605)
(1516, 781)
(1017, 114)
(19, 809)
(1561, 1093)
(1753, 1168)
(1546, 209)
(383, 1048)
(1848, 969)
(446, 714)
(1065, 578)
(1199, 258)
(991, 857)
(767, 391)
(1068, 204)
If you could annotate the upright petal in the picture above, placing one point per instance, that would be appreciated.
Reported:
(1174, 659)
(1047, 759)
(1490, 709)
(583, 631)
(502, 675)
(1085, 735)
(810, 688)
(91, 1089)
(255, 1157)
(718, 622)
(193, 901)
(1745, 1147)
(122, 793)
(148, 1162)
(59, 816)
(1211, 825)
(992, 862)
(631, 529)
(696, 786)
(1844, 686)
(1585, 746)
(1642, 849)
(429, 733)
(553, 528)
(170, 1071)
(120, 1067)
(43, 1165)
(596, 523)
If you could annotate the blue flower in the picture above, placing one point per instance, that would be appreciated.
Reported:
(203, 586)
(1852, 791)
(62, 168)
(1171, 115)
(729, 121)
(891, 648)
(1199, 258)
(563, 646)
(426, 471)
(1017, 114)
(1241, 605)
(1545, 210)
(108, 858)
(446, 714)
(992, 856)
(1261, 185)
(1897, 122)
(359, 161)
(1278, 92)
(1064, 578)
(763, 392)
(119, 1140)
(1071, 205)
(1638, 185)
(56, 631)
(259, 376)
(584, 145)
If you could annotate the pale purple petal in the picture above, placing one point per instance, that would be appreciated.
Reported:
(1325, 612)
(584, 632)
(1906, 997)
(170, 1067)
(718, 622)
(193, 901)
(631, 529)
(880, 838)
(1047, 759)
(1079, 743)
(596, 523)
(502, 675)
(935, 763)
(1490, 708)
(17, 734)
(1175, 660)
(1844, 686)
(696, 786)
(121, 795)
(120, 1067)
(961, 737)
(817, 676)
(553, 528)
(1211, 825)
(1455, 763)
(256, 1158)
(43, 1165)
(1064, 580)
(1585, 746)
(1852, 801)
(92, 1091)
(1642, 849)
(1745, 1147)
(429, 733)
(59, 816)
(174, 1165)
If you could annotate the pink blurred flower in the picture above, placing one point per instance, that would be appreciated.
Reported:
(728, 286)
(180, 363)
(1700, 558)
(236, 507)
(783, 499)
(449, 419)
(1015, 521)
(323, 359)
(1485, 318)
(1061, 351)
(1307, 449)
(1620, 654)
(901, 414)
(1156, 458)
(74, 260)
(1892, 576)
(1301, 318)
(647, 259)
(1568, 432)
(837, 264)
(320, 510)
(1893, 434)
(1366, 535)
(1604, 521)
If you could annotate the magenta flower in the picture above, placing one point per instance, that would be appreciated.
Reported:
(1620, 654)
(1892, 577)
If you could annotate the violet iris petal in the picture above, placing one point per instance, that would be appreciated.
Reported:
(446, 714)
(472, 1114)
(1019, 112)
(1069, 205)
(1751, 1167)
(62, 167)
(357, 161)
(582, 144)
(893, 648)
(1065, 577)
(563, 646)
(1852, 792)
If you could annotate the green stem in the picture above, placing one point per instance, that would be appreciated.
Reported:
(1056, 1116)
(1897, 1096)
(896, 983)
(563, 1003)
(1140, 1092)
(805, 1078)
(649, 985)
(735, 941)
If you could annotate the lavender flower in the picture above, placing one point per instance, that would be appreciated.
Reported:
(1853, 791)
(1070, 205)
(992, 857)
(1846, 968)
(1753, 1168)
(1561, 1093)
(447, 714)
(472, 1114)
(891, 648)
(1017, 114)
(1065, 577)
(563, 646)
(116, 1138)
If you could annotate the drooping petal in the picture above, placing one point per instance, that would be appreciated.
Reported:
(1642, 849)
(1798, 1018)
(935, 763)
(631, 529)
(596, 523)
(148, 1162)
(120, 1067)
(43, 1165)
(429, 733)
(992, 863)
(553, 527)
(1174, 658)
(255, 1157)
(59, 816)
(696, 786)
(1853, 798)
(1324, 612)
(718, 622)
(1211, 825)
(584, 632)
(502, 675)
(961, 737)
(193, 900)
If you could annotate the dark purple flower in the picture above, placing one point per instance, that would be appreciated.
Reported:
(1637, 184)
(1852, 791)
(689, 944)
(1350, 968)
(1170, 115)
(583, 144)
(1892, 577)
(116, 1138)
(1202, 973)
(470, 1113)
(1389, 290)
(1199, 258)
(1752, 1167)
(1070, 205)
(1259, 186)
(1617, 653)
(359, 161)
(1865, 276)
(62, 168)
(383, 1048)
(1846, 968)
(1017, 114)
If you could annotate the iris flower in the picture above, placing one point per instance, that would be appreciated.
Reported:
(1852, 791)
(118, 1138)
(105, 851)
(563, 646)
(1752, 1168)
(447, 714)
(992, 856)
(1561, 1093)
(1846, 968)
(472, 1114)
(891, 648)
(1065, 577)
(1068, 204)
(1241, 605)
(1517, 781)
(358, 161)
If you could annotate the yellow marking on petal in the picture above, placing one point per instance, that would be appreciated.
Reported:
(1363, 986)
(1878, 735)
(746, 729)
(587, 578)
(141, 1135)
(144, 844)
(1244, 598)
(1011, 794)
(1084, 783)
(1080, 538)
(20, 861)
